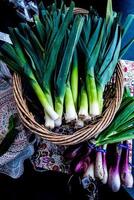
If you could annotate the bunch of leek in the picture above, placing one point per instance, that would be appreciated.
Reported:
(101, 44)
(122, 126)
(48, 53)
(92, 159)
(35, 50)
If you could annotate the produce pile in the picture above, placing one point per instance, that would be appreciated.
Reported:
(106, 158)
(67, 59)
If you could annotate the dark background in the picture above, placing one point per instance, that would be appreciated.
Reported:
(50, 185)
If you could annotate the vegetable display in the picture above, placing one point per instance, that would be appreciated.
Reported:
(48, 54)
(106, 158)
(95, 164)
(68, 60)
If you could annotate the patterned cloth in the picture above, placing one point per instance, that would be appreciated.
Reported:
(25, 8)
(15, 167)
(11, 162)
(128, 68)
(48, 156)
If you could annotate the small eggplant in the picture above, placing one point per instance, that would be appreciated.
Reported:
(72, 151)
(78, 150)
(126, 175)
(80, 164)
(114, 181)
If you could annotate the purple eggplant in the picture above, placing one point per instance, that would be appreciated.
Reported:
(72, 151)
(76, 151)
(82, 165)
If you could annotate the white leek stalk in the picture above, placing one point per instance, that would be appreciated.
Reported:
(70, 112)
(42, 98)
(49, 122)
(59, 110)
(83, 110)
(94, 109)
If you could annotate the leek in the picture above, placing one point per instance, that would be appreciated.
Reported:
(90, 78)
(127, 24)
(70, 112)
(68, 60)
(74, 78)
(60, 82)
(16, 55)
(83, 107)
(108, 66)
(126, 47)
(122, 126)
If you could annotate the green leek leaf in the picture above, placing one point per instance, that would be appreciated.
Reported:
(50, 61)
(126, 47)
(127, 24)
(40, 28)
(66, 62)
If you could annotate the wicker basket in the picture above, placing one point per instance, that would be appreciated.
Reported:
(112, 100)
(113, 96)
